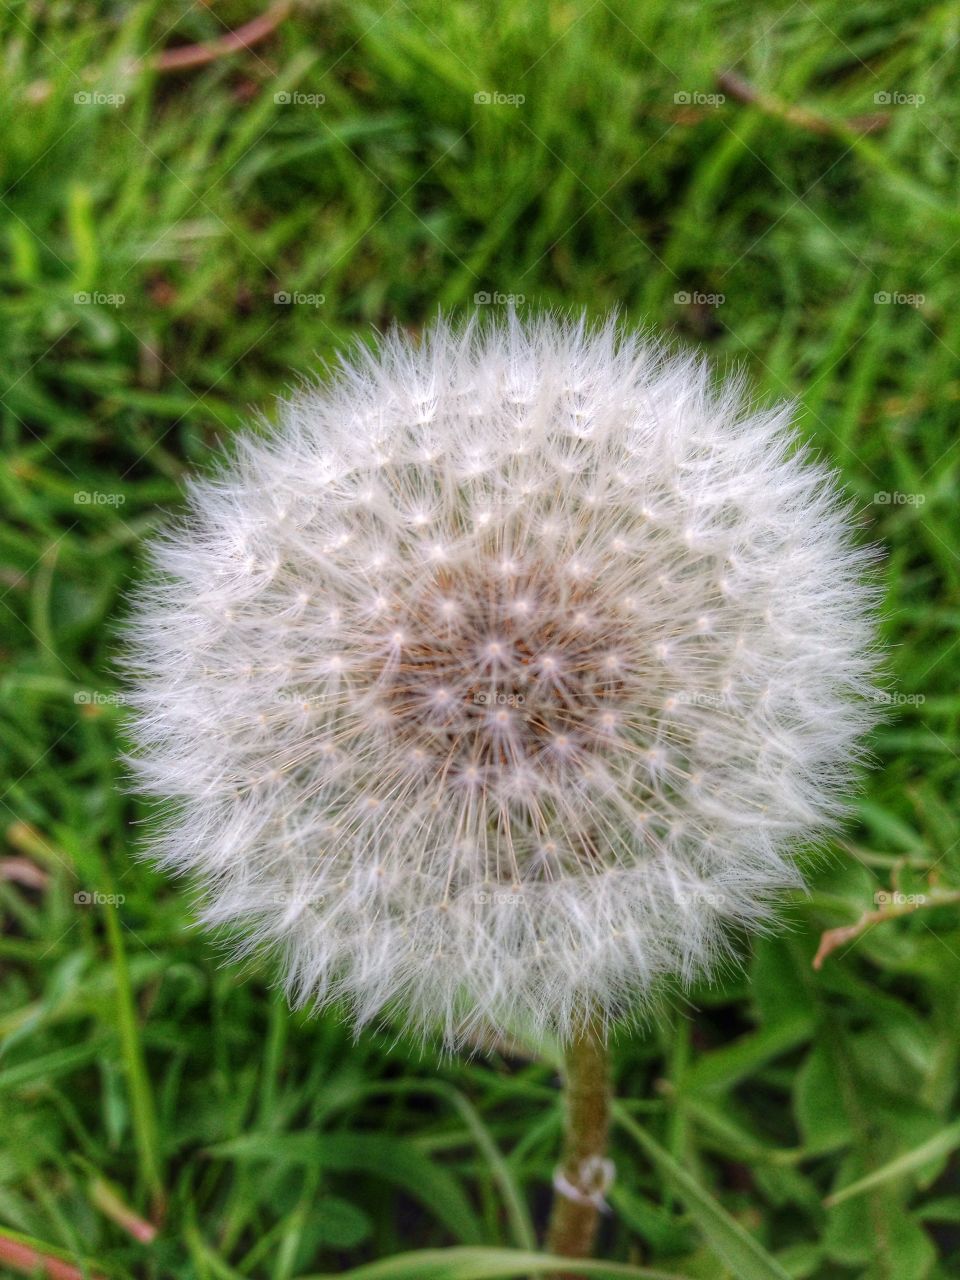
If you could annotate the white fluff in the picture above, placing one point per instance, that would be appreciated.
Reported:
(503, 677)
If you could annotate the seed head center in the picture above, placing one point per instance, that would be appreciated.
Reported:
(499, 675)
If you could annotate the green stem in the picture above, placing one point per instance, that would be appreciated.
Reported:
(582, 1172)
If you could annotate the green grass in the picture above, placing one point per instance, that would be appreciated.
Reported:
(275, 1146)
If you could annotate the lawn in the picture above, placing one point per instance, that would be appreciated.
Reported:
(184, 236)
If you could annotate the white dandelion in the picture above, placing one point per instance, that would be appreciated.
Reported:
(504, 677)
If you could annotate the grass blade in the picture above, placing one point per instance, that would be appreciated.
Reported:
(746, 1258)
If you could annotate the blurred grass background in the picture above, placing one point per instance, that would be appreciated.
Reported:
(800, 218)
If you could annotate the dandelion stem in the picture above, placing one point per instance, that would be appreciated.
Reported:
(584, 1171)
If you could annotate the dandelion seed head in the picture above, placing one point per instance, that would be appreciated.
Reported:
(529, 647)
